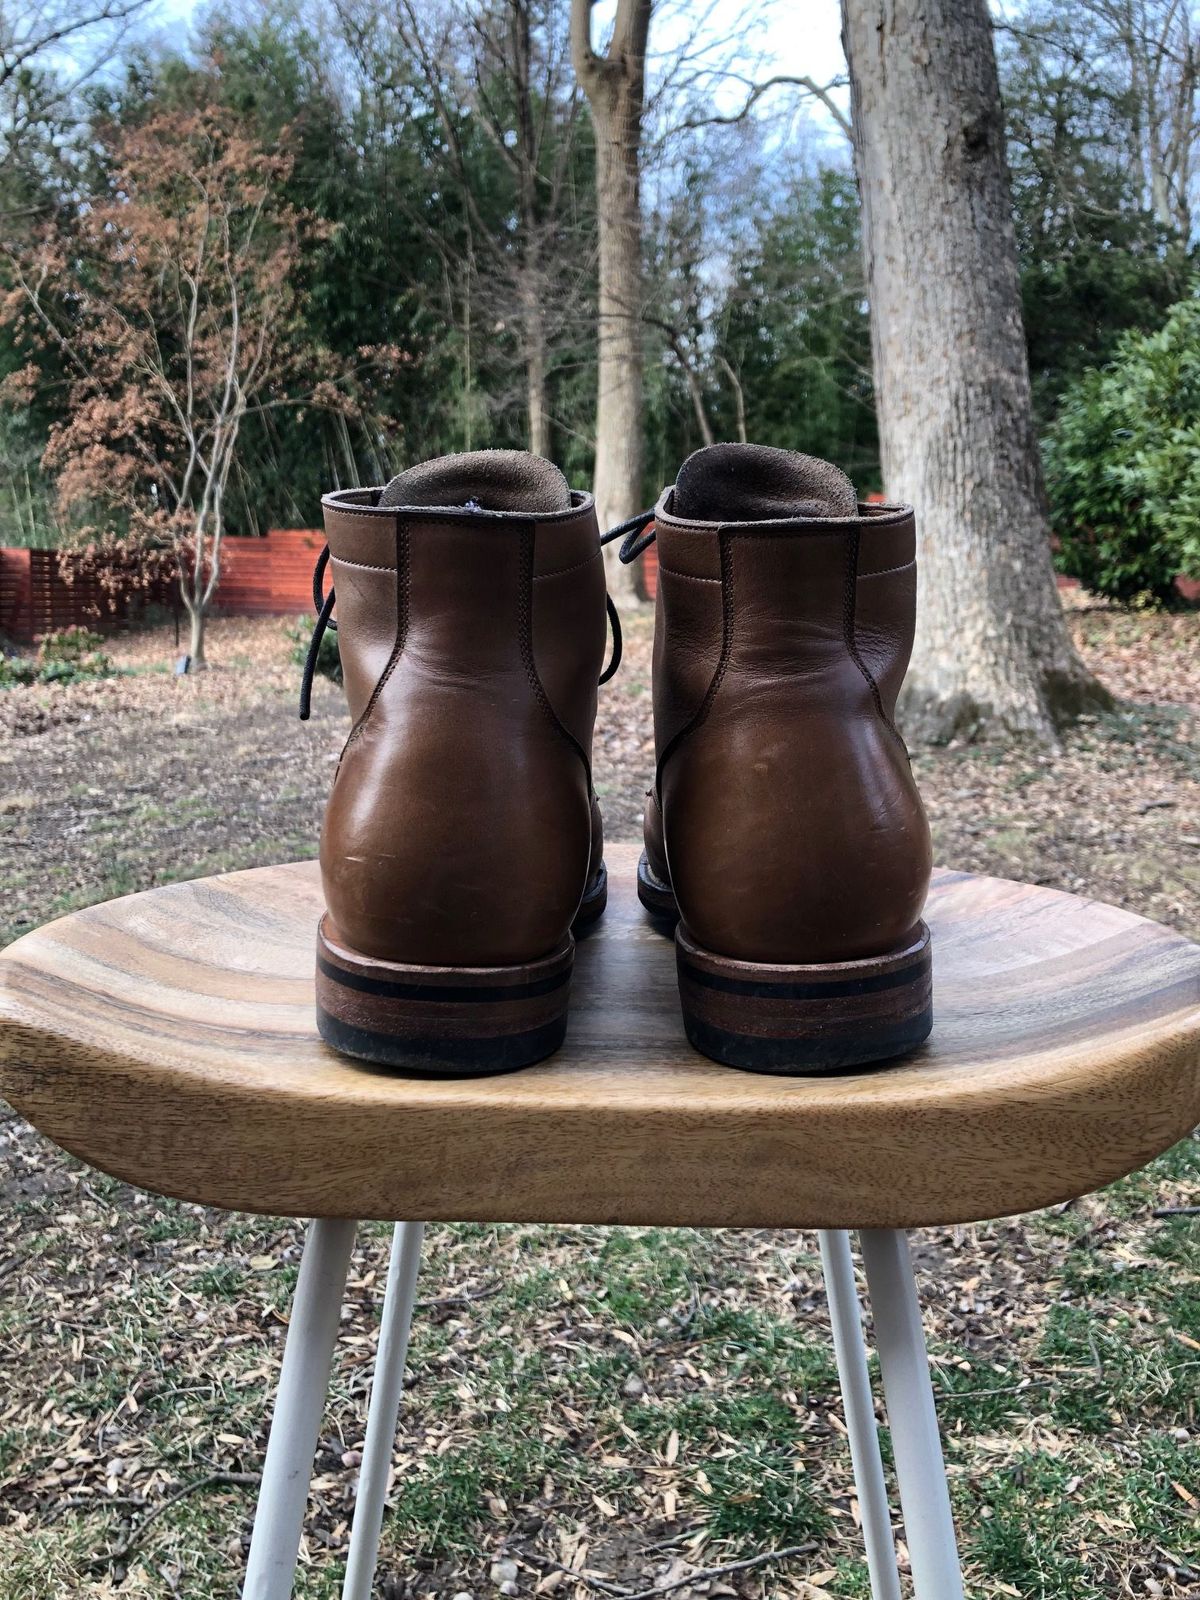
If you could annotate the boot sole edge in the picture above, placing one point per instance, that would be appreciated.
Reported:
(441, 1021)
(593, 904)
(657, 898)
(799, 1020)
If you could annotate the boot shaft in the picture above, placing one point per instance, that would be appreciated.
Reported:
(503, 606)
(460, 830)
(785, 817)
(824, 607)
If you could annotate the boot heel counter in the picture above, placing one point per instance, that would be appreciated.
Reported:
(490, 874)
(793, 827)
(367, 569)
(884, 616)
(773, 861)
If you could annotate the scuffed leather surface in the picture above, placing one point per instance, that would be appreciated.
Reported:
(459, 830)
(791, 826)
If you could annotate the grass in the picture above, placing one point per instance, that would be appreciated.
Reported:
(617, 1388)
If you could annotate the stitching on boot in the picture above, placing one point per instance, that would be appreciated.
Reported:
(525, 636)
(849, 600)
(540, 577)
(886, 572)
(688, 577)
(403, 582)
(725, 544)
(360, 566)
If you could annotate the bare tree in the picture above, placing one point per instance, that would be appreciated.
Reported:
(615, 85)
(824, 93)
(39, 27)
(713, 171)
(172, 304)
(1140, 60)
(48, 50)
(500, 68)
(530, 113)
(951, 372)
(1158, 41)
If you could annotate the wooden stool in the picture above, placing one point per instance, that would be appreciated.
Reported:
(168, 1039)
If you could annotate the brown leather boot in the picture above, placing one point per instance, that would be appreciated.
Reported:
(462, 840)
(784, 829)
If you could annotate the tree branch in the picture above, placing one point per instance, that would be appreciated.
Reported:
(584, 59)
(821, 92)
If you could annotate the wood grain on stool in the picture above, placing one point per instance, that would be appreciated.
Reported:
(168, 1038)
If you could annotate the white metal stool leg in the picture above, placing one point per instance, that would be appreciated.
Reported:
(303, 1383)
(904, 1364)
(845, 1313)
(383, 1409)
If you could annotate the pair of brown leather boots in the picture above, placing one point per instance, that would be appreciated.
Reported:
(463, 849)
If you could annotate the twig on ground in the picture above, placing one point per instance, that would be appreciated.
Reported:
(603, 1584)
(701, 1575)
(705, 1573)
(948, 1393)
(1177, 1211)
(451, 1301)
(209, 1481)
(92, 1502)
(680, 1537)
(1172, 1567)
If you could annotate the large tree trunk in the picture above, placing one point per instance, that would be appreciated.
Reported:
(951, 375)
(615, 87)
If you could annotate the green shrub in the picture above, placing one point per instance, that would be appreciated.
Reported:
(17, 669)
(73, 645)
(329, 661)
(72, 655)
(1123, 465)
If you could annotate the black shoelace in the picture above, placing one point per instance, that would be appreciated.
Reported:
(323, 605)
(632, 533)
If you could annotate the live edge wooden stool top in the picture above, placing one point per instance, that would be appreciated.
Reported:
(168, 1039)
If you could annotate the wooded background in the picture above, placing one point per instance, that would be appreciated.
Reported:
(301, 245)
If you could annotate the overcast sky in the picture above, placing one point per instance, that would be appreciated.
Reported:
(801, 36)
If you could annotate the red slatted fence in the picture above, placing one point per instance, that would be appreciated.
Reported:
(16, 597)
(37, 596)
(268, 577)
(650, 572)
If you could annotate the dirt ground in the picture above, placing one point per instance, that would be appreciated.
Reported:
(630, 1405)
(128, 781)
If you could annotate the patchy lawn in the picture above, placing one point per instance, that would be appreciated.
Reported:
(627, 1403)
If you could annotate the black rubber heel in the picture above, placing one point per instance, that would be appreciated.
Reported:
(441, 1021)
(806, 1019)
(657, 897)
